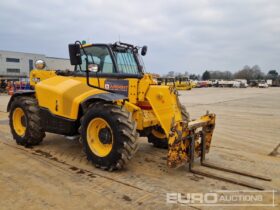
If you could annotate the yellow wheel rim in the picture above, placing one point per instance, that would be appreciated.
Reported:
(100, 146)
(158, 134)
(19, 121)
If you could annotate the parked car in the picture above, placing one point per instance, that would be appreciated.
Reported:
(263, 85)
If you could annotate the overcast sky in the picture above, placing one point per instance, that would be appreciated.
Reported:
(186, 35)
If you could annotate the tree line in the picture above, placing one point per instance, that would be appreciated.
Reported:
(247, 72)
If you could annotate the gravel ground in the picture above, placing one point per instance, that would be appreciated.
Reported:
(56, 174)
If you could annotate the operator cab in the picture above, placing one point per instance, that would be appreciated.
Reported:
(107, 60)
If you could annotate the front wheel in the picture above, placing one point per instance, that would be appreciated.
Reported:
(109, 135)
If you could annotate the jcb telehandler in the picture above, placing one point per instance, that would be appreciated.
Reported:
(107, 101)
(166, 81)
(180, 83)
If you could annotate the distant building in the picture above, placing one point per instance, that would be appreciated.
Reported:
(15, 65)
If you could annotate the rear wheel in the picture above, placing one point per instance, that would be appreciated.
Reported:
(25, 121)
(157, 136)
(109, 135)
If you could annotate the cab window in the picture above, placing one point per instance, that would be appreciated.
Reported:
(98, 55)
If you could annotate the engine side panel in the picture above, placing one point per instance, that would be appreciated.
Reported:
(63, 95)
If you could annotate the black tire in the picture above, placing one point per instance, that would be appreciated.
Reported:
(123, 127)
(162, 143)
(34, 133)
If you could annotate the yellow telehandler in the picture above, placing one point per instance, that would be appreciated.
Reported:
(108, 101)
(166, 81)
(180, 83)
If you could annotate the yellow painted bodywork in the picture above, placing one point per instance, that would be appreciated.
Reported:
(63, 95)
(150, 105)
(37, 76)
(165, 106)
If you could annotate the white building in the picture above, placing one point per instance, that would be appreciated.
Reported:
(19, 64)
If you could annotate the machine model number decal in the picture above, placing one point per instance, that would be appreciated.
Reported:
(119, 86)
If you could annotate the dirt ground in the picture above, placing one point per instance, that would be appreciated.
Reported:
(56, 174)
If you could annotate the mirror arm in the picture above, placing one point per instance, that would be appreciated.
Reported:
(97, 79)
(87, 72)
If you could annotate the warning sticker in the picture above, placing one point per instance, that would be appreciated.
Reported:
(119, 86)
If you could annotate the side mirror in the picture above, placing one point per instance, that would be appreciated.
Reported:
(75, 54)
(144, 50)
(93, 67)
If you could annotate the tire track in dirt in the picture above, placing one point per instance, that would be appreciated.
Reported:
(154, 159)
(100, 183)
(148, 170)
(152, 195)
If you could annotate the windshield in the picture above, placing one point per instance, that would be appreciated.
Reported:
(126, 61)
(98, 55)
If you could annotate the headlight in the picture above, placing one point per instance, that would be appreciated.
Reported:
(40, 64)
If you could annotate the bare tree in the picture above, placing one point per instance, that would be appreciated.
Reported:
(194, 77)
(249, 73)
(170, 74)
(225, 75)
